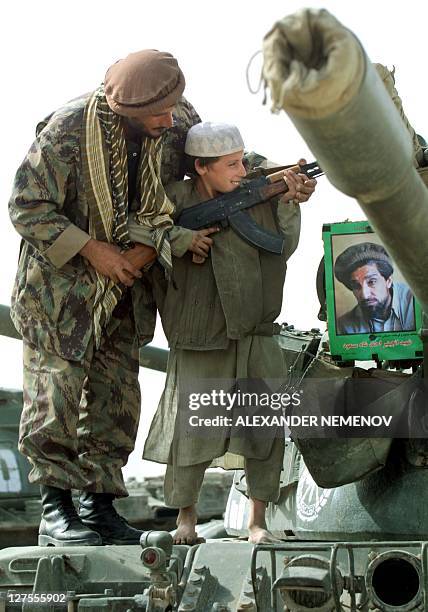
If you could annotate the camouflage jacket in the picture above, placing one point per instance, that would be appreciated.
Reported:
(54, 289)
(388, 80)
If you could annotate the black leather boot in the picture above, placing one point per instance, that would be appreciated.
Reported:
(97, 512)
(60, 524)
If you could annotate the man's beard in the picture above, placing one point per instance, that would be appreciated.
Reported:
(379, 310)
(156, 133)
(136, 131)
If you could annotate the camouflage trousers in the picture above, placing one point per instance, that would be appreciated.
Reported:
(183, 482)
(80, 419)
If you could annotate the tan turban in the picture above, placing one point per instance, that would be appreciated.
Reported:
(144, 83)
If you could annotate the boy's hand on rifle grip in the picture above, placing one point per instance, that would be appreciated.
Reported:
(201, 243)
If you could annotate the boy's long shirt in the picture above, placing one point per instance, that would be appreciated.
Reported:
(236, 292)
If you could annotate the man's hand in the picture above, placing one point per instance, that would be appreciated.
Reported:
(107, 260)
(201, 243)
(307, 189)
(300, 187)
(140, 255)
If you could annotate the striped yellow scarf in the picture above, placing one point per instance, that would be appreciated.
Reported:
(105, 171)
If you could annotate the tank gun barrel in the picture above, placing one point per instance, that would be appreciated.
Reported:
(151, 357)
(319, 73)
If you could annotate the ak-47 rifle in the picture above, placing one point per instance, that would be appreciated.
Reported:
(229, 208)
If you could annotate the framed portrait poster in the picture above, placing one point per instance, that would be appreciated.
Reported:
(371, 311)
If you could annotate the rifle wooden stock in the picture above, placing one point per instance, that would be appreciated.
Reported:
(275, 188)
(277, 176)
(277, 183)
(140, 256)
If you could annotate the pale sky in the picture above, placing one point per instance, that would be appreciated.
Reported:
(53, 51)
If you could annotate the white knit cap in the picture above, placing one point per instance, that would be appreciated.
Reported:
(213, 140)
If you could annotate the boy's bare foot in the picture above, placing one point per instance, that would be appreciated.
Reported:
(257, 530)
(186, 524)
(260, 535)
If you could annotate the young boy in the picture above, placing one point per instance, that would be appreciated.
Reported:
(219, 318)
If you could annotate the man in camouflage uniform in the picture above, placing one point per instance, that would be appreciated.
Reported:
(81, 315)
